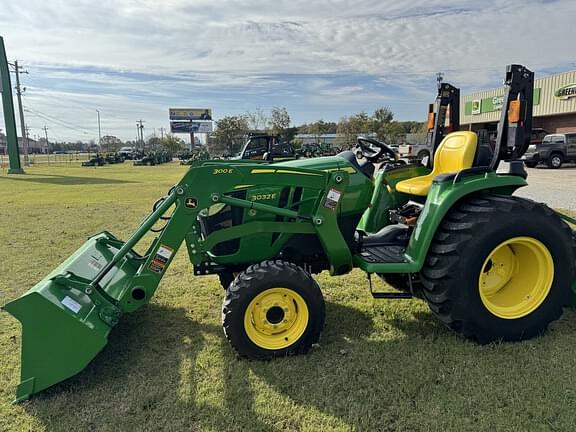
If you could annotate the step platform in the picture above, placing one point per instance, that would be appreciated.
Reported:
(383, 254)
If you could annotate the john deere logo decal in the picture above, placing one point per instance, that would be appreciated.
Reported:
(566, 92)
(476, 106)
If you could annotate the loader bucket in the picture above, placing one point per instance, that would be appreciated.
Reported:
(64, 322)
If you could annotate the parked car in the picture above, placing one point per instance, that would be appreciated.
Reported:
(414, 151)
(555, 150)
(128, 153)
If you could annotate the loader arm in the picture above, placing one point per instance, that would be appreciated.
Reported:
(66, 317)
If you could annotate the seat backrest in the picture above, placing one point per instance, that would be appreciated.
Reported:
(455, 152)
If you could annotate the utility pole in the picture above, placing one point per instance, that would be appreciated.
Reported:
(9, 118)
(17, 69)
(439, 78)
(99, 132)
(140, 128)
(45, 129)
(162, 133)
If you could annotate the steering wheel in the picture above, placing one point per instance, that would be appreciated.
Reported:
(373, 149)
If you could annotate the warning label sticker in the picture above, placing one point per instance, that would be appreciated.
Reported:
(161, 258)
(332, 199)
(71, 304)
(165, 252)
(95, 264)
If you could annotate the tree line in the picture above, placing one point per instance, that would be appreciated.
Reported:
(231, 131)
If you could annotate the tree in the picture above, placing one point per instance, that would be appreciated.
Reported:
(153, 142)
(110, 143)
(312, 128)
(383, 115)
(383, 124)
(257, 120)
(229, 135)
(350, 127)
(280, 120)
(318, 129)
(172, 144)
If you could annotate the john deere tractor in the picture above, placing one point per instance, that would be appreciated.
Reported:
(492, 266)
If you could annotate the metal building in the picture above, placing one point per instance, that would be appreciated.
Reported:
(554, 106)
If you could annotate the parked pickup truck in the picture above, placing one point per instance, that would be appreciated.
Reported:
(555, 150)
(414, 151)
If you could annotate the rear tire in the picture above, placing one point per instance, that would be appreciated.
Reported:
(531, 164)
(273, 309)
(555, 160)
(480, 239)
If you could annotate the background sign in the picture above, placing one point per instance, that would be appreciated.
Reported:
(497, 103)
(476, 106)
(190, 126)
(494, 103)
(190, 114)
(566, 92)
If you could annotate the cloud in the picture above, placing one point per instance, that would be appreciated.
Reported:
(319, 59)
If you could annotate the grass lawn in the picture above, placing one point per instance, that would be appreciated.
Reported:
(380, 365)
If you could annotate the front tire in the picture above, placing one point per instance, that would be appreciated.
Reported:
(555, 161)
(273, 309)
(499, 268)
(226, 278)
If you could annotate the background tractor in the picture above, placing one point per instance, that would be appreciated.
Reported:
(491, 266)
(266, 147)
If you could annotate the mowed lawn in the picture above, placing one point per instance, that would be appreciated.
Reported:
(380, 365)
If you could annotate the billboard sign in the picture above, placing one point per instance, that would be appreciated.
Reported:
(190, 113)
(190, 126)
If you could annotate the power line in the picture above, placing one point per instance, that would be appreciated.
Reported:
(55, 122)
(59, 122)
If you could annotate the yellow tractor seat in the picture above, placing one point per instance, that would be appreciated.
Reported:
(455, 153)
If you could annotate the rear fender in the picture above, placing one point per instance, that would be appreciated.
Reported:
(442, 197)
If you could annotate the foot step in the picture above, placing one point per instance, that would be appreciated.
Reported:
(391, 295)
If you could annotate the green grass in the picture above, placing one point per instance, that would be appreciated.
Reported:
(380, 365)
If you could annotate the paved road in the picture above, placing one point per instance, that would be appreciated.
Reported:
(557, 188)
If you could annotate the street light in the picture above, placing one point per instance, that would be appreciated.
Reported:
(99, 132)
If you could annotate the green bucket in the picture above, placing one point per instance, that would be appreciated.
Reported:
(65, 320)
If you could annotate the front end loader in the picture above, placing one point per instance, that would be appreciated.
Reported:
(491, 266)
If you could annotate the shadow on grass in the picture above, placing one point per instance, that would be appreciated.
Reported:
(164, 371)
(138, 382)
(66, 180)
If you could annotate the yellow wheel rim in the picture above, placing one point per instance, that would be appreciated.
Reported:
(516, 277)
(276, 318)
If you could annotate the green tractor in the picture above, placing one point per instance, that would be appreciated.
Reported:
(311, 150)
(266, 147)
(492, 266)
(113, 158)
(97, 160)
(199, 153)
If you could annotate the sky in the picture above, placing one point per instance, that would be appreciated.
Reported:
(322, 59)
